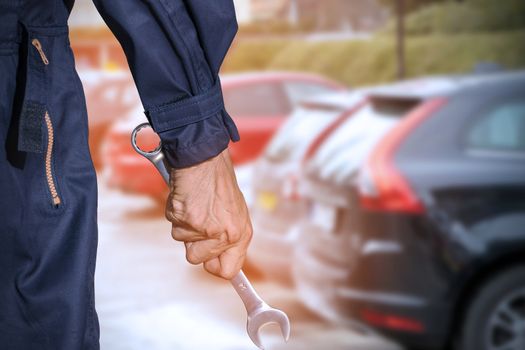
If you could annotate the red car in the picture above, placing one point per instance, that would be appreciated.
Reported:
(258, 102)
(108, 94)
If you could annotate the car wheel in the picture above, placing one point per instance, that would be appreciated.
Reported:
(495, 319)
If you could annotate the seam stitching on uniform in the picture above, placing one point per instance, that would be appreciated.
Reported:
(193, 58)
(192, 119)
(185, 103)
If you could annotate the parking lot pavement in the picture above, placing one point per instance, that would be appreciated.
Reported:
(149, 297)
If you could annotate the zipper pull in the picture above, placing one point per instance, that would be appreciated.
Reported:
(36, 43)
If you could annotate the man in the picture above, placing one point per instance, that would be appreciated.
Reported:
(47, 182)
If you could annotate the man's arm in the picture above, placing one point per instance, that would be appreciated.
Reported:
(174, 49)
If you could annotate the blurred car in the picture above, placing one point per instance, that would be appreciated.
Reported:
(109, 96)
(428, 244)
(258, 102)
(276, 206)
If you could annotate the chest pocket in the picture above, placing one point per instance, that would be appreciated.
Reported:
(36, 133)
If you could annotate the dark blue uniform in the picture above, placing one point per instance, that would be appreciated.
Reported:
(48, 228)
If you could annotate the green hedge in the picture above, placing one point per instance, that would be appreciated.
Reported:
(246, 55)
(362, 62)
(468, 16)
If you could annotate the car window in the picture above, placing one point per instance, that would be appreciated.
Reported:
(369, 119)
(255, 100)
(393, 107)
(501, 129)
(362, 128)
(298, 91)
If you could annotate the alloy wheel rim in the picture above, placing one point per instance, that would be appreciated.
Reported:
(506, 327)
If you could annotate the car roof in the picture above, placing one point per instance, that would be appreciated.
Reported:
(419, 89)
(234, 78)
(337, 100)
(433, 86)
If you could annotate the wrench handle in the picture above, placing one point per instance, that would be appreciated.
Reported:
(248, 295)
(158, 162)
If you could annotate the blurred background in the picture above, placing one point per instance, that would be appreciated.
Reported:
(382, 156)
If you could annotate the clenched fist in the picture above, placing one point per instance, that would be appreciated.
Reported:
(208, 213)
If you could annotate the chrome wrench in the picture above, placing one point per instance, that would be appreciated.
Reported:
(259, 313)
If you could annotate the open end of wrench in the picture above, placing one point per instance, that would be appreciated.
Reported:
(263, 316)
(147, 154)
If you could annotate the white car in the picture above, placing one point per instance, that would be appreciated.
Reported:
(275, 207)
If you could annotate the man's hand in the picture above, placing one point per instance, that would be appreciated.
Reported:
(209, 214)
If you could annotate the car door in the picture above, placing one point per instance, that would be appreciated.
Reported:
(468, 164)
(497, 139)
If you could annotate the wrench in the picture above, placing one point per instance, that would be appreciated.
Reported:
(259, 313)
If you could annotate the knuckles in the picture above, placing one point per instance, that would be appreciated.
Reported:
(175, 211)
(234, 235)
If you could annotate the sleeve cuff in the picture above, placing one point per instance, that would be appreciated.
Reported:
(186, 111)
(194, 143)
(194, 129)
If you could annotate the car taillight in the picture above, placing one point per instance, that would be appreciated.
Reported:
(393, 322)
(325, 134)
(381, 186)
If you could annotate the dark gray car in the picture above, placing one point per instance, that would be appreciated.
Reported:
(430, 247)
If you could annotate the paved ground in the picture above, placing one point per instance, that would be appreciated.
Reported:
(150, 298)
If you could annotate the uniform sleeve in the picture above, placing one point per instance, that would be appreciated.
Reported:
(175, 49)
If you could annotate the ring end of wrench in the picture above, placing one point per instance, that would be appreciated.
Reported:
(147, 154)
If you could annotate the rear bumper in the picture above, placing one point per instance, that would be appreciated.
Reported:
(274, 218)
(273, 242)
(329, 287)
(271, 252)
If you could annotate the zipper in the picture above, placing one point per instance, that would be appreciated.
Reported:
(49, 162)
(36, 43)
(51, 184)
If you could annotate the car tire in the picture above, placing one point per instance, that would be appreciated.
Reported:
(489, 307)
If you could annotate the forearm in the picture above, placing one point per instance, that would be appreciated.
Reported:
(175, 49)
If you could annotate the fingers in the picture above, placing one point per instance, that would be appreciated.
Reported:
(201, 251)
(182, 234)
(226, 265)
(221, 260)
